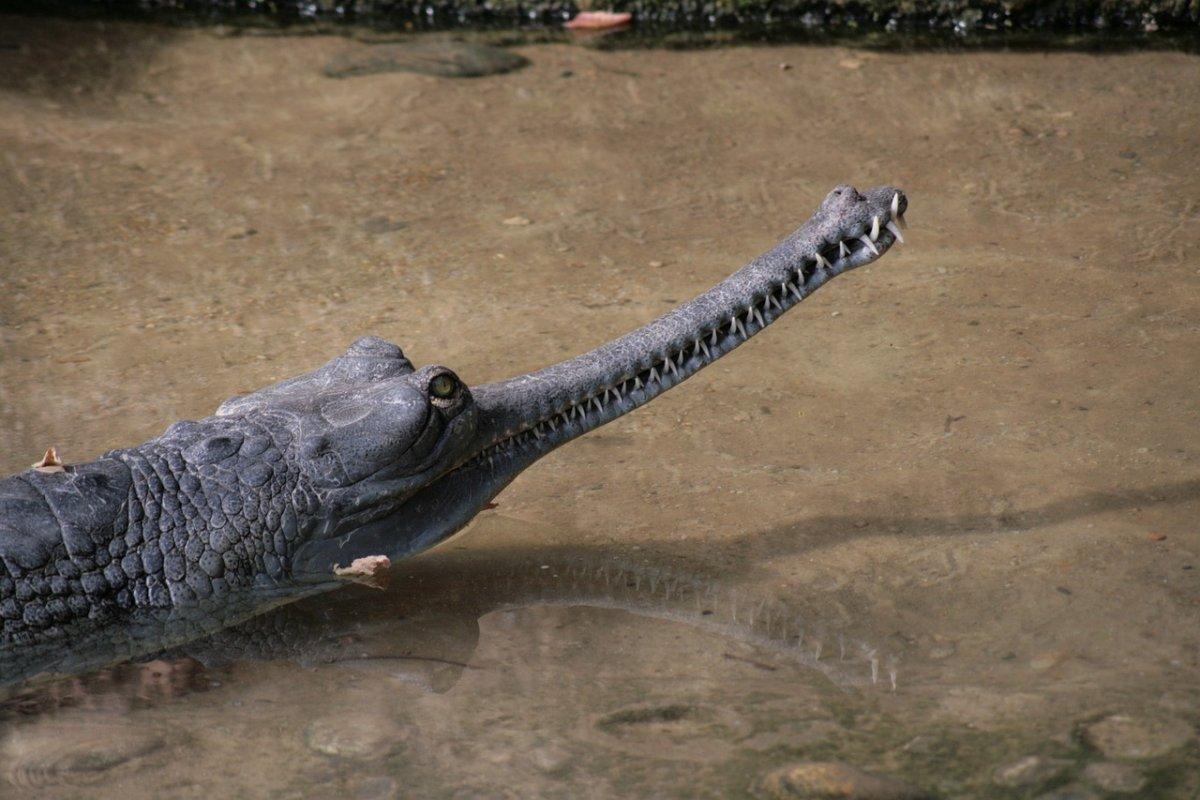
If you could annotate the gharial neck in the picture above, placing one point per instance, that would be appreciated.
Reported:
(525, 417)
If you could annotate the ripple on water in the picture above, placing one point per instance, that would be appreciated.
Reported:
(58, 751)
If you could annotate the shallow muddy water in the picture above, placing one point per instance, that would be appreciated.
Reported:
(942, 517)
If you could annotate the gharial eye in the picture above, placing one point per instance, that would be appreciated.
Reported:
(443, 386)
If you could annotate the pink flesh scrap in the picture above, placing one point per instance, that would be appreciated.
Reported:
(595, 20)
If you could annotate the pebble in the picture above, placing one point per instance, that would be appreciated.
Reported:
(438, 57)
(1030, 771)
(1116, 778)
(831, 780)
(1126, 737)
(355, 738)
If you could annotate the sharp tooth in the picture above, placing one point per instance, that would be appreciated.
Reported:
(771, 299)
(821, 261)
(552, 424)
(895, 205)
(843, 251)
(758, 316)
(794, 290)
(596, 403)
(681, 358)
(637, 382)
(537, 432)
(741, 329)
(696, 346)
(891, 226)
(870, 245)
(653, 375)
(713, 342)
(704, 349)
(874, 228)
(669, 366)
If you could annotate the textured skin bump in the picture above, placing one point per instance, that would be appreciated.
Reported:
(171, 521)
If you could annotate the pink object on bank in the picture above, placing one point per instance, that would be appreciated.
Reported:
(595, 20)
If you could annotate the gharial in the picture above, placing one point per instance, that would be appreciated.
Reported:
(323, 478)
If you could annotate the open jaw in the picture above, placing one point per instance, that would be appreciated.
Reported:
(524, 418)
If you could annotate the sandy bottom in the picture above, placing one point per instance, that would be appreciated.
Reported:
(976, 461)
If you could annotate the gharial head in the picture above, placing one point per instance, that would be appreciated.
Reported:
(402, 458)
(366, 430)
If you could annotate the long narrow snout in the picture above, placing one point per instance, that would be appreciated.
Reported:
(525, 417)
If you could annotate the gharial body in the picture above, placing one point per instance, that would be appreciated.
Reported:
(321, 478)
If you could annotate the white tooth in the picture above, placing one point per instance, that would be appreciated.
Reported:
(537, 432)
(653, 375)
(668, 366)
(596, 403)
(843, 251)
(553, 426)
(891, 226)
(637, 382)
(771, 299)
(792, 288)
(704, 349)
(895, 205)
(758, 316)
(681, 358)
(874, 228)
(870, 245)
(741, 329)
(713, 341)
(821, 261)
(696, 346)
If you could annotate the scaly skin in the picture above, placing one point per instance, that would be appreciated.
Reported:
(221, 518)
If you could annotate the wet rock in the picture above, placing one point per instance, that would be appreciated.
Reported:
(46, 754)
(1115, 778)
(356, 738)
(1030, 772)
(1126, 737)
(440, 58)
(830, 780)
